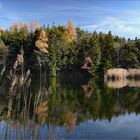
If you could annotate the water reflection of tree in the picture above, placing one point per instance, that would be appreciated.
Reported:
(48, 102)
(24, 107)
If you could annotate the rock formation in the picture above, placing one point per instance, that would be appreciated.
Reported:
(42, 43)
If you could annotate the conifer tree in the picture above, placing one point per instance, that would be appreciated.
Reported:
(70, 32)
(107, 52)
(95, 52)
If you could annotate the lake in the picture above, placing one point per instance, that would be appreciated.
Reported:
(69, 107)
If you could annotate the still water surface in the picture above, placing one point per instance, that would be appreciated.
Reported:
(68, 107)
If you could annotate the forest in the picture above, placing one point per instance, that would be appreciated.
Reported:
(65, 48)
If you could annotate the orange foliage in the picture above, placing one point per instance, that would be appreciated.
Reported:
(1, 30)
(36, 25)
(70, 32)
(70, 121)
(13, 27)
(42, 111)
(32, 26)
(18, 26)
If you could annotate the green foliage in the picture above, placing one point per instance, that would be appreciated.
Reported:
(107, 52)
(104, 50)
(95, 52)
(52, 57)
(2, 45)
(130, 55)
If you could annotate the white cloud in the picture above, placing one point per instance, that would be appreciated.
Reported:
(117, 26)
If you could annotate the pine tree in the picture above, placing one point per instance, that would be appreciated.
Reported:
(95, 52)
(52, 51)
(107, 52)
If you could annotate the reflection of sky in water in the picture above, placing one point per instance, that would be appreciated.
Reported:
(122, 127)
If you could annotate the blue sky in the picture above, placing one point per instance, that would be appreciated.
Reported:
(122, 17)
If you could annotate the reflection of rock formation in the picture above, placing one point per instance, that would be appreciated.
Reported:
(122, 83)
(133, 83)
(87, 89)
(116, 83)
(116, 73)
(119, 78)
(120, 73)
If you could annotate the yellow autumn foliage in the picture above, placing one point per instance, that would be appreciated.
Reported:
(32, 26)
(70, 31)
(70, 121)
(42, 111)
(1, 30)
